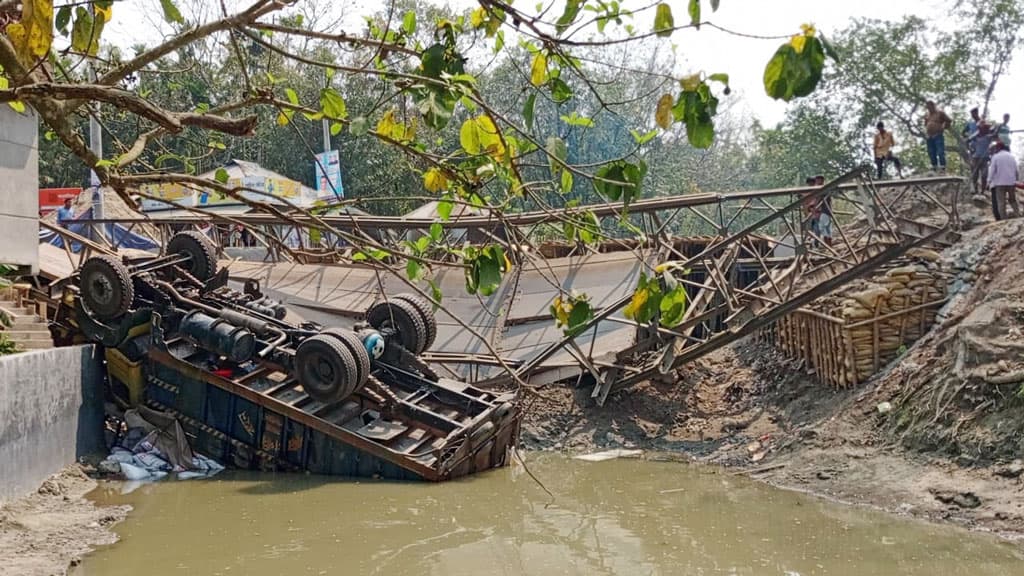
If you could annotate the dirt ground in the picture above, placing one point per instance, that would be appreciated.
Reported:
(937, 434)
(47, 532)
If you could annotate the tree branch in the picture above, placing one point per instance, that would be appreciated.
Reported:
(258, 9)
(171, 121)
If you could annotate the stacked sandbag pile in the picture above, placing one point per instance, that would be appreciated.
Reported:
(873, 328)
(909, 283)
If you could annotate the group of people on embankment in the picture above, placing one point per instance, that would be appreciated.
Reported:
(993, 167)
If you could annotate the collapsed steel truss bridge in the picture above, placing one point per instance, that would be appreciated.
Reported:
(759, 256)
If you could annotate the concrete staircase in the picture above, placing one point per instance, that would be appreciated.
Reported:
(28, 330)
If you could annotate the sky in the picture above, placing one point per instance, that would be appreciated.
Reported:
(708, 49)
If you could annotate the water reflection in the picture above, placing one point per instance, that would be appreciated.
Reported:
(622, 517)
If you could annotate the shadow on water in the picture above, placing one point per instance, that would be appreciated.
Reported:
(618, 517)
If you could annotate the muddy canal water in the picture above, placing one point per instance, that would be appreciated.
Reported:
(621, 517)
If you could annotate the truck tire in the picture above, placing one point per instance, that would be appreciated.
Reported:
(426, 314)
(403, 319)
(201, 252)
(105, 287)
(355, 346)
(326, 369)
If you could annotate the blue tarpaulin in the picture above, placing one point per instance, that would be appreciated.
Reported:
(118, 235)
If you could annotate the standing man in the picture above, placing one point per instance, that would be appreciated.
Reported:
(970, 128)
(65, 214)
(1002, 130)
(979, 157)
(1002, 177)
(824, 211)
(935, 124)
(883, 152)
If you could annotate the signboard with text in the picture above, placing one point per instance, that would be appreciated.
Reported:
(52, 198)
(328, 175)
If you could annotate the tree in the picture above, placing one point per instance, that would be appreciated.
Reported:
(995, 31)
(426, 74)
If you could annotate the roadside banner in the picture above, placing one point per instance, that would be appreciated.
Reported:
(328, 175)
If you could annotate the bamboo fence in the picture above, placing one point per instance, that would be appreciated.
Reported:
(850, 335)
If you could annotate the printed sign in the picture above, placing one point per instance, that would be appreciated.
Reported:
(328, 175)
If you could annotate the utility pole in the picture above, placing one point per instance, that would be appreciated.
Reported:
(96, 145)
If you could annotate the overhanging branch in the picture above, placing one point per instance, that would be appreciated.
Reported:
(123, 99)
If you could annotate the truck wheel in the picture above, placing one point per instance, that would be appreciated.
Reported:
(202, 253)
(355, 346)
(105, 287)
(426, 314)
(325, 368)
(403, 320)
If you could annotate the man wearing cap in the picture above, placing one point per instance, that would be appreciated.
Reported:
(1002, 179)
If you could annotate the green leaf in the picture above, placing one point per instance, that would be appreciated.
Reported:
(436, 231)
(483, 276)
(620, 180)
(292, 96)
(469, 137)
(171, 13)
(221, 175)
(642, 139)
(479, 135)
(359, 126)
(720, 77)
(566, 181)
(673, 307)
(17, 105)
(105, 163)
(63, 19)
(435, 293)
(646, 301)
(572, 313)
(336, 128)
(332, 104)
(444, 209)
(663, 20)
(574, 119)
(557, 150)
(830, 51)
(696, 109)
(572, 10)
(793, 73)
(415, 271)
(581, 314)
(409, 23)
(560, 91)
(81, 31)
(569, 231)
(694, 10)
(531, 100)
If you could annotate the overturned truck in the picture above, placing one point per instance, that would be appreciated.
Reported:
(257, 391)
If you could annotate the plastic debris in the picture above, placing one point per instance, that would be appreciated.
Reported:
(147, 453)
(610, 455)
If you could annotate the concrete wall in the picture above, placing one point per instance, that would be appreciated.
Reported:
(19, 189)
(51, 412)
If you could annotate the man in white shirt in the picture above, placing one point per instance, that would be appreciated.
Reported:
(1002, 179)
